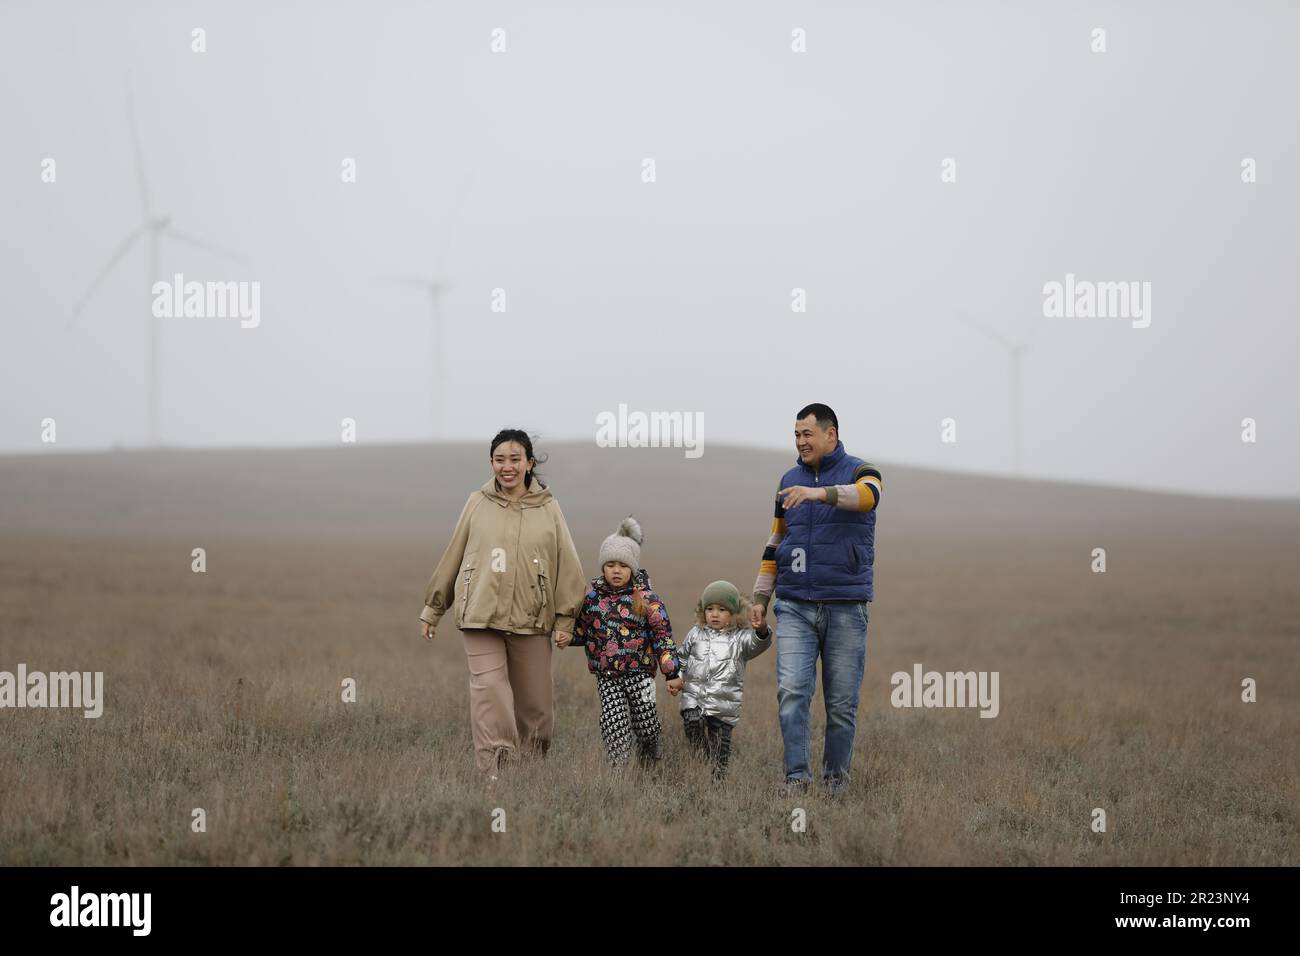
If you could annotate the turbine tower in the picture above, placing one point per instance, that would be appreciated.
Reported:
(1015, 356)
(436, 287)
(154, 226)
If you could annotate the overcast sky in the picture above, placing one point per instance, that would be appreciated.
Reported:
(774, 170)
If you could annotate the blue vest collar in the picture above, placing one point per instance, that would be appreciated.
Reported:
(828, 461)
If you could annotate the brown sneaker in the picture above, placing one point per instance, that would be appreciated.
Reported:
(499, 759)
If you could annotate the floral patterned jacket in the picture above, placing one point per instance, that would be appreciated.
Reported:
(617, 639)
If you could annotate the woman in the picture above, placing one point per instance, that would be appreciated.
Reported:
(514, 576)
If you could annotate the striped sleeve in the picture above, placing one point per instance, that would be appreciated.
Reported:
(862, 495)
(766, 582)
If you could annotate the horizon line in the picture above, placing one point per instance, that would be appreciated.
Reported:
(119, 449)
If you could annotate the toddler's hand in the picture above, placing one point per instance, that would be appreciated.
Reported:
(675, 686)
(563, 638)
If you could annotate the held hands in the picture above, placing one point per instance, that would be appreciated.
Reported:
(675, 686)
(796, 495)
(563, 638)
(758, 617)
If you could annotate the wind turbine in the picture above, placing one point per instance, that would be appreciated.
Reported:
(154, 226)
(1015, 354)
(436, 287)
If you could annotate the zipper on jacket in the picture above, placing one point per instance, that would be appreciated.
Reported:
(812, 516)
(514, 580)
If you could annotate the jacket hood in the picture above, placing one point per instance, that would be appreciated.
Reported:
(535, 497)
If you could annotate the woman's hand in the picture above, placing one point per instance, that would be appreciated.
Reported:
(562, 638)
(675, 686)
(428, 630)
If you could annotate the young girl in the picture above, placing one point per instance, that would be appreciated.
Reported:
(624, 628)
(714, 654)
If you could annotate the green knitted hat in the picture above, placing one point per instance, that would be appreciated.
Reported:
(724, 593)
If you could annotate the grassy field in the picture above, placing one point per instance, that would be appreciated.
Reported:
(1118, 690)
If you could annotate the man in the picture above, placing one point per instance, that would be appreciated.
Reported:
(819, 560)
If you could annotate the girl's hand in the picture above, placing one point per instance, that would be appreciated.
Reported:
(563, 638)
(675, 686)
(428, 630)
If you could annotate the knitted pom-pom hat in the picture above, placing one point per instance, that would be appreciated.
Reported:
(623, 545)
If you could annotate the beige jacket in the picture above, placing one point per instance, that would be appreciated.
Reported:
(511, 565)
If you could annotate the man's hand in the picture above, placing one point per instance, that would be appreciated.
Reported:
(428, 630)
(675, 686)
(563, 638)
(758, 617)
(796, 495)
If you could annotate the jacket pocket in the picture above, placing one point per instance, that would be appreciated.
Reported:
(543, 585)
(464, 584)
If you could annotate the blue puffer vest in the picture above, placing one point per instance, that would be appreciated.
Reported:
(839, 546)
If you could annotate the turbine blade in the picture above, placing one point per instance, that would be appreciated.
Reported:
(141, 181)
(405, 281)
(454, 218)
(1001, 340)
(205, 246)
(1033, 332)
(113, 260)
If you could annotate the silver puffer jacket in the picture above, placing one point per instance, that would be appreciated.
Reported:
(714, 662)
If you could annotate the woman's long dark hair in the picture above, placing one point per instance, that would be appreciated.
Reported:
(520, 436)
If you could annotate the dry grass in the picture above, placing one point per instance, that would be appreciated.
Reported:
(223, 692)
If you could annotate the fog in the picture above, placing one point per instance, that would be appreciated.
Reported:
(519, 178)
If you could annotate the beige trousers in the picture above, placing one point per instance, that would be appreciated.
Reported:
(511, 697)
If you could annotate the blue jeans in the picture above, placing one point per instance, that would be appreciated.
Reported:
(837, 631)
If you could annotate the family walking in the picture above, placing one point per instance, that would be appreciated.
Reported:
(514, 578)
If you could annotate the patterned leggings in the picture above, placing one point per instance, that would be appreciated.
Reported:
(627, 709)
(711, 736)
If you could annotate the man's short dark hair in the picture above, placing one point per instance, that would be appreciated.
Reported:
(825, 416)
